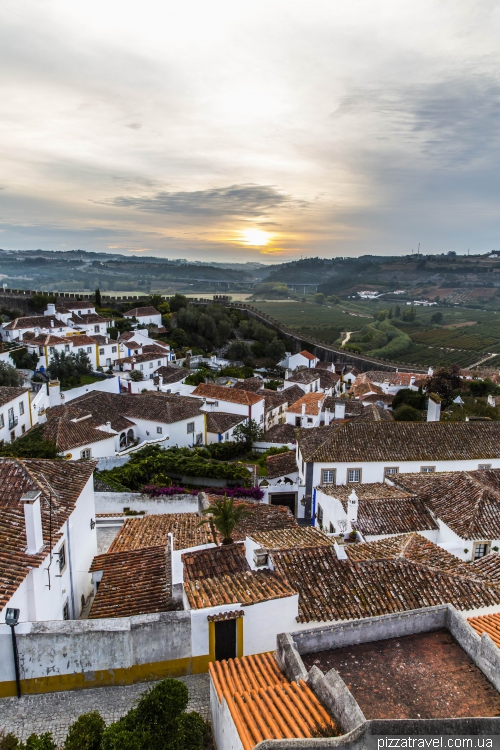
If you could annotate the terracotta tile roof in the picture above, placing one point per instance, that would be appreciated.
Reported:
(393, 378)
(219, 422)
(246, 588)
(376, 398)
(400, 441)
(79, 304)
(68, 435)
(44, 339)
(362, 390)
(332, 589)
(324, 366)
(313, 403)
(137, 312)
(327, 379)
(292, 393)
(489, 565)
(301, 536)
(390, 512)
(215, 562)
(281, 464)
(281, 434)
(7, 393)
(489, 624)
(80, 319)
(143, 357)
(135, 582)
(264, 518)
(308, 355)
(154, 406)
(60, 480)
(218, 392)
(263, 704)
(353, 407)
(374, 413)
(306, 377)
(273, 399)
(150, 531)
(81, 339)
(467, 502)
(34, 321)
(249, 384)
(171, 374)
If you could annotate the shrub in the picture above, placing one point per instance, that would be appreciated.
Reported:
(136, 376)
(86, 733)
(38, 742)
(8, 741)
(407, 413)
(9, 375)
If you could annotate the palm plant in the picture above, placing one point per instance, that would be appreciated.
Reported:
(224, 516)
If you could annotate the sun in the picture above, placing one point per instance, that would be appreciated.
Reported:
(255, 237)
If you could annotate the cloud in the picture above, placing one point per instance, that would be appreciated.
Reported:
(245, 200)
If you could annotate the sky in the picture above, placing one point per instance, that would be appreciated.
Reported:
(262, 131)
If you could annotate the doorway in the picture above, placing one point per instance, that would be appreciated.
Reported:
(288, 499)
(225, 639)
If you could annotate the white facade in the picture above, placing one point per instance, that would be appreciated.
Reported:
(15, 418)
(292, 361)
(70, 580)
(222, 437)
(252, 411)
(100, 449)
(182, 434)
(146, 320)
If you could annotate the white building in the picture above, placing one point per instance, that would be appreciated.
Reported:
(307, 380)
(144, 316)
(306, 412)
(15, 413)
(221, 426)
(232, 401)
(39, 498)
(302, 359)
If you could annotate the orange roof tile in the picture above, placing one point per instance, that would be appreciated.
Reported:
(308, 355)
(206, 390)
(246, 588)
(311, 401)
(263, 704)
(489, 624)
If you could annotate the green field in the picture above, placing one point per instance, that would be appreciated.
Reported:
(465, 336)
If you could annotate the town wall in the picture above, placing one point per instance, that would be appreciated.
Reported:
(75, 654)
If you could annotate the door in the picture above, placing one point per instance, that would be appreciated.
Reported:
(288, 499)
(225, 639)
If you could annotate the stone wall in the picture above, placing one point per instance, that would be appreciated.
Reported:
(115, 502)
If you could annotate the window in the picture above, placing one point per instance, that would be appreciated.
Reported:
(141, 367)
(481, 549)
(2, 421)
(150, 365)
(226, 436)
(96, 329)
(62, 558)
(427, 469)
(190, 427)
(159, 430)
(320, 515)
(40, 350)
(66, 347)
(390, 471)
(113, 350)
(298, 421)
(80, 350)
(309, 420)
(66, 611)
(484, 467)
(353, 475)
(85, 453)
(261, 418)
(159, 362)
(51, 349)
(101, 351)
(216, 403)
(13, 435)
(327, 476)
(21, 407)
(332, 528)
(23, 429)
(199, 439)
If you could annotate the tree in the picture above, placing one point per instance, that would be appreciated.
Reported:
(444, 382)
(9, 376)
(98, 300)
(389, 317)
(382, 315)
(179, 337)
(64, 366)
(24, 359)
(437, 318)
(406, 396)
(397, 312)
(155, 300)
(31, 445)
(224, 516)
(136, 376)
(86, 732)
(238, 351)
(249, 433)
(406, 413)
(177, 302)
(40, 301)
(319, 298)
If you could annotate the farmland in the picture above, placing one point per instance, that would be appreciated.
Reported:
(465, 337)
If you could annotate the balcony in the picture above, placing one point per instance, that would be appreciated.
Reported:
(13, 422)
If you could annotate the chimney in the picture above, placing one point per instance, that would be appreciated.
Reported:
(327, 416)
(491, 400)
(303, 409)
(434, 408)
(412, 380)
(319, 405)
(160, 381)
(51, 309)
(352, 508)
(339, 411)
(33, 521)
(108, 426)
(52, 324)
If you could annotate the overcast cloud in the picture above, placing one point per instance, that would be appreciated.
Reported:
(171, 128)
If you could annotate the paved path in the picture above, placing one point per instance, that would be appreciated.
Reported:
(54, 712)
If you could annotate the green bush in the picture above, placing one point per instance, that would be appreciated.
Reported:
(8, 741)
(38, 742)
(407, 413)
(86, 733)
(136, 376)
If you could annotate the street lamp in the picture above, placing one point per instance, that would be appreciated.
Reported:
(11, 619)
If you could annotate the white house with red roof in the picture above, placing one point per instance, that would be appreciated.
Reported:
(302, 359)
(145, 316)
(232, 401)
